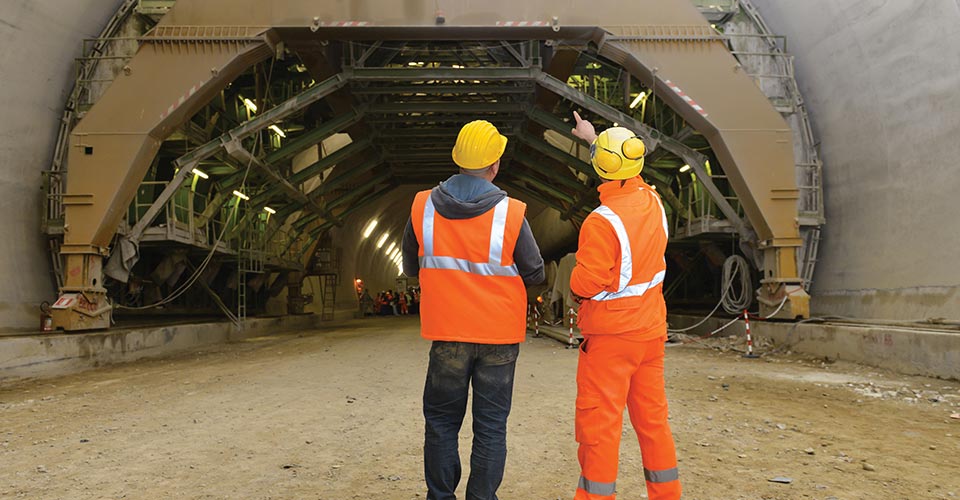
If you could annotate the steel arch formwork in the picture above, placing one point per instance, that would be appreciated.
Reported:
(200, 46)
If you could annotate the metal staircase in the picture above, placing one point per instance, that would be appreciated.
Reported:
(764, 56)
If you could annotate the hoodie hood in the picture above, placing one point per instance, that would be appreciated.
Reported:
(464, 197)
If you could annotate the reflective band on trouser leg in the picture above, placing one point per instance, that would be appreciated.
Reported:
(595, 488)
(661, 476)
(626, 257)
(649, 413)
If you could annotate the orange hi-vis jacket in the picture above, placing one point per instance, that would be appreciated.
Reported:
(620, 263)
(470, 288)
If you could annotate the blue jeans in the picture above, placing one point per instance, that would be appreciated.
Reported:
(453, 365)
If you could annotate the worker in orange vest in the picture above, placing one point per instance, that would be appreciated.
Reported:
(618, 281)
(473, 250)
(402, 295)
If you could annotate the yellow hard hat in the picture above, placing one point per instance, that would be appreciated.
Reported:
(617, 153)
(478, 146)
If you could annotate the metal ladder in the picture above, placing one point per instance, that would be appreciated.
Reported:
(328, 296)
(57, 261)
(764, 56)
(249, 261)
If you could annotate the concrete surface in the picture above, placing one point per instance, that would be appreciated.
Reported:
(52, 355)
(41, 40)
(880, 79)
(911, 351)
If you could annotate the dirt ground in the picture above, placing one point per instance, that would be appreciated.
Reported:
(335, 414)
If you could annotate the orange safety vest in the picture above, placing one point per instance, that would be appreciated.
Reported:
(470, 288)
(633, 303)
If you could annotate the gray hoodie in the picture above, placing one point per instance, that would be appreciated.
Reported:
(464, 197)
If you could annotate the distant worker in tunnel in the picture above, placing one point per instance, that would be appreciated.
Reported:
(618, 282)
(474, 252)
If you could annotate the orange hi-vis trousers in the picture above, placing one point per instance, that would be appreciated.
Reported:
(613, 372)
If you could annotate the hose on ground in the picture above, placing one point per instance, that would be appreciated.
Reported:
(734, 301)
(735, 267)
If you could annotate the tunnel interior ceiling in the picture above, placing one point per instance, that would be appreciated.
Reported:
(251, 168)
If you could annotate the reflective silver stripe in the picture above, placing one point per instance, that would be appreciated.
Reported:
(632, 290)
(428, 212)
(626, 258)
(498, 230)
(455, 264)
(595, 488)
(663, 213)
(490, 268)
(661, 476)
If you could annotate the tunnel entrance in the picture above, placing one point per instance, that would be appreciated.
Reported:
(284, 144)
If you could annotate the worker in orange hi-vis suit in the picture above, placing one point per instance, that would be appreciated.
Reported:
(618, 281)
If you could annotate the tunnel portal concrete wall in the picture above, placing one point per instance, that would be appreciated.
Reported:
(41, 38)
(881, 81)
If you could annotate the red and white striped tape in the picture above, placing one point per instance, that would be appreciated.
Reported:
(689, 100)
(183, 98)
(523, 23)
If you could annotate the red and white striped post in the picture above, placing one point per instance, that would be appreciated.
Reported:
(746, 322)
(536, 322)
(571, 313)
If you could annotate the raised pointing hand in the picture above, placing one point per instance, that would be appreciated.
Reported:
(584, 129)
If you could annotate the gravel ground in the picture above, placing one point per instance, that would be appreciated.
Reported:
(335, 414)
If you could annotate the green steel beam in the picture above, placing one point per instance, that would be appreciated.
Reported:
(404, 136)
(562, 156)
(413, 155)
(346, 198)
(342, 179)
(458, 120)
(447, 166)
(541, 185)
(530, 194)
(425, 178)
(426, 74)
(313, 137)
(331, 184)
(267, 118)
(377, 193)
(303, 221)
(445, 107)
(651, 136)
(432, 89)
(560, 176)
(330, 160)
(552, 122)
